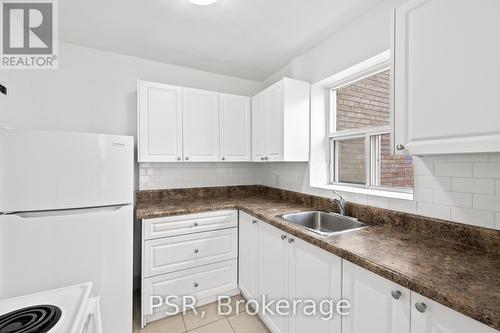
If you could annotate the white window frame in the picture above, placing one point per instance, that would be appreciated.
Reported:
(371, 134)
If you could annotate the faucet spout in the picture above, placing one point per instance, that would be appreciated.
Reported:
(341, 203)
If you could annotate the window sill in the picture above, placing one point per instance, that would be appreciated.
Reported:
(367, 191)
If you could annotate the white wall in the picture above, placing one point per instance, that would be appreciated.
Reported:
(461, 188)
(95, 91)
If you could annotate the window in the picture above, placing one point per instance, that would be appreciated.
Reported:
(359, 134)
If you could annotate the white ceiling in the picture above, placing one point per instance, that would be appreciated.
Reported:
(244, 38)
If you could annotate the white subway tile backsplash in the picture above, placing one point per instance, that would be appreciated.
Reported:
(494, 157)
(481, 218)
(487, 202)
(453, 199)
(468, 158)
(433, 183)
(422, 167)
(423, 195)
(434, 210)
(407, 206)
(473, 185)
(461, 188)
(453, 169)
(487, 170)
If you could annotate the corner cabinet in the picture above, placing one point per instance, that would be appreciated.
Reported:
(280, 122)
(178, 124)
(446, 77)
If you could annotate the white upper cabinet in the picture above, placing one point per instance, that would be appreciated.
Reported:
(377, 304)
(280, 122)
(446, 77)
(200, 125)
(428, 316)
(259, 128)
(160, 122)
(234, 128)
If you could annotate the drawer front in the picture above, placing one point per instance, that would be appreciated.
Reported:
(201, 282)
(188, 224)
(172, 254)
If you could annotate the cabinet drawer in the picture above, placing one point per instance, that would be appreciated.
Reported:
(205, 283)
(171, 254)
(188, 224)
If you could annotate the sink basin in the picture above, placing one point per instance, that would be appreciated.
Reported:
(324, 223)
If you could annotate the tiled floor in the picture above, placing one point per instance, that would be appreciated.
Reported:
(210, 323)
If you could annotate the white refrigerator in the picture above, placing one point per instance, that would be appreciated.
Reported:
(66, 217)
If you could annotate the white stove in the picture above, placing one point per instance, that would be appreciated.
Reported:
(65, 310)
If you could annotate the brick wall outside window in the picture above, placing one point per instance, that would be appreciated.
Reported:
(366, 103)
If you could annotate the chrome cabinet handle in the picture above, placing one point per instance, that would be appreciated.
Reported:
(187, 158)
(396, 294)
(266, 158)
(223, 158)
(262, 158)
(400, 147)
(291, 240)
(196, 284)
(421, 307)
(254, 221)
(179, 158)
(196, 251)
(283, 237)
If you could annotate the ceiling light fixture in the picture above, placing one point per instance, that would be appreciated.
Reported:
(203, 2)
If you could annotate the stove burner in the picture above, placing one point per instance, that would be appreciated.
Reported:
(33, 319)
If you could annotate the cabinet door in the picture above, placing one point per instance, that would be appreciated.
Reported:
(373, 308)
(235, 127)
(447, 74)
(274, 113)
(248, 255)
(272, 279)
(314, 274)
(259, 128)
(437, 318)
(200, 125)
(159, 122)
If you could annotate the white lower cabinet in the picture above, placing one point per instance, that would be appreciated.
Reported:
(273, 277)
(313, 274)
(377, 304)
(279, 266)
(188, 255)
(428, 316)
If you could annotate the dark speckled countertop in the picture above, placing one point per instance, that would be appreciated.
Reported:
(455, 265)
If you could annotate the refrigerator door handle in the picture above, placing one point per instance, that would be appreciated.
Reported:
(70, 211)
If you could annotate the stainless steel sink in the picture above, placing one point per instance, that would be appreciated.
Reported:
(324, 223)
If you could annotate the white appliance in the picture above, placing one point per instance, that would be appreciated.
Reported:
(67, 217)
(64, 310)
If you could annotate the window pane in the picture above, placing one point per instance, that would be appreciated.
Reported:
(351, 161)
(395, 171)
(364, 103)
